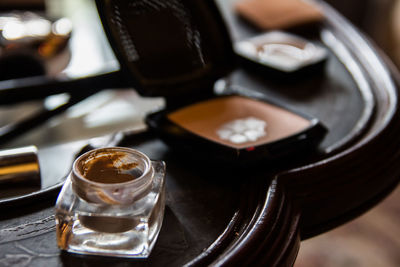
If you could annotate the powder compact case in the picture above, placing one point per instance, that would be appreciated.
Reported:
(281, 53)
(178, 50)
(235, 128)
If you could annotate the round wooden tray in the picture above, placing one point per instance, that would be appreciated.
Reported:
(258, 216)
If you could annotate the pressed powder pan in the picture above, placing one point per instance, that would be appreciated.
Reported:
(238, 122)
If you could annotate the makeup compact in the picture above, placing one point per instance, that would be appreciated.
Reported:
(281, 53)
(178, 50)
(234, 128)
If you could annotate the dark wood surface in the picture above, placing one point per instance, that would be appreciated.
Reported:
(259, 215)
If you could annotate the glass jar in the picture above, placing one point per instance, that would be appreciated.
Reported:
(112, 204)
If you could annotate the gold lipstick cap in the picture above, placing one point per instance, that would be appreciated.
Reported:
(20, 165)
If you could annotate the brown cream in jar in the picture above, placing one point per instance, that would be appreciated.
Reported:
(110, 168)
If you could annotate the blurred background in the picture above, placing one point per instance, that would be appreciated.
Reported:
(379, 19)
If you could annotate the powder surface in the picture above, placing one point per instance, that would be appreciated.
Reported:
(106, 167)
(208, 118)
(243, 130)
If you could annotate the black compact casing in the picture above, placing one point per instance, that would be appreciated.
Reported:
(300, 144)
(178, 49)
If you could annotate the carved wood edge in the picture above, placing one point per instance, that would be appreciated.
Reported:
(264, 232)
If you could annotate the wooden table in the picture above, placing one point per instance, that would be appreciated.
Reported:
(260, 215)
